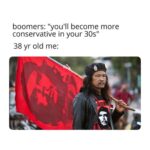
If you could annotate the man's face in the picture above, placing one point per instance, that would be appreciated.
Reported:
(99, 79)
(103, 118)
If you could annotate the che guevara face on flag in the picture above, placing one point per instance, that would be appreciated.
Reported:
(45, 91)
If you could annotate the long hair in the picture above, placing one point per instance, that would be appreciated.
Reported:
(88, 88)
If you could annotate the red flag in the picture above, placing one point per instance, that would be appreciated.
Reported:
(45, 92)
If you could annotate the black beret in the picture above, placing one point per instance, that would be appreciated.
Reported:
(90, 69)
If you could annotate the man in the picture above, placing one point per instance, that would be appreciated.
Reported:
(93, 97)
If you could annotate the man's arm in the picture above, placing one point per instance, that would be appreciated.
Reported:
(78, 112)
(116, 115)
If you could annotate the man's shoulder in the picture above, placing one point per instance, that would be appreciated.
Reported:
(80, 99)
(81, 95)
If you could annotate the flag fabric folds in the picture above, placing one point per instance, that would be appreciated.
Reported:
(45, 91)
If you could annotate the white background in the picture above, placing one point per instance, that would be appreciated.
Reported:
(131, 40)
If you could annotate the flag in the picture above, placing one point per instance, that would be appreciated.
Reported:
(45, 91)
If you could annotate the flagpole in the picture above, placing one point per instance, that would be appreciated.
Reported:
(67, 67)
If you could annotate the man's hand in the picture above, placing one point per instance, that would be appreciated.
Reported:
(120, 106)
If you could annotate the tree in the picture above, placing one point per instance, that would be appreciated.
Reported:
(77, 64)
(135, 70)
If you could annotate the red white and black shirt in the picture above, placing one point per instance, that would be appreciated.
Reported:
(103, 114)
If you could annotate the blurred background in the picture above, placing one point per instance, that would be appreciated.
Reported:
(124, 75)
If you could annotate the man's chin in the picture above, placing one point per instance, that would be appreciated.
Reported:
(100, 86)
(104, 124)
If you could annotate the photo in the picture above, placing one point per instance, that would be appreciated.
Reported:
(74, 93)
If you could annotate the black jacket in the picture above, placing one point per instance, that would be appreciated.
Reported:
(85, 112)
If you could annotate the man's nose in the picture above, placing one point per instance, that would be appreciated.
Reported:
(101, 78)
(104, 118)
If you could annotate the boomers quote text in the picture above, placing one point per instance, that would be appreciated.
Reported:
(65, 30)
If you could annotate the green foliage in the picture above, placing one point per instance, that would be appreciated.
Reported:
(135, 69)
(77, 64)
